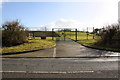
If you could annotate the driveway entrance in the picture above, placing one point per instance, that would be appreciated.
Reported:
(65, 49)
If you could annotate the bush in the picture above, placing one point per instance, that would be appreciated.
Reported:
(13, 33)
(110, 36)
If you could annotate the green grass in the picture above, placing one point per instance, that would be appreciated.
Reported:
(90, 42)
(80, 35)
(82, 39)
(33, 44)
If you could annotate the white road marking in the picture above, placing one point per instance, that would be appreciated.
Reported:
(67, 72)
(54, 52)
(14, 71)
(48, 72)
(68, 59)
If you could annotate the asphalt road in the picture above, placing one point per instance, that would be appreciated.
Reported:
(60, 67)
(63, 61)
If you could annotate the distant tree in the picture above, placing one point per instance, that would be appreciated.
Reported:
(96, 31)
(13, 33)
(66, 30)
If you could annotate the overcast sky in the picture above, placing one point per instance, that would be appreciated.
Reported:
(63, 14)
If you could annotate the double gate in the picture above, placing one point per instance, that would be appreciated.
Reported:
(65, 33)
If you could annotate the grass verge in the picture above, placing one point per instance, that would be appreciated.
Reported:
(90, 42)
(33, 44)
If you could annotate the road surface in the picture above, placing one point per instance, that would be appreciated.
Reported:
(60, 67)
(67, 60)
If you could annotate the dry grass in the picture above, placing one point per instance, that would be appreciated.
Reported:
(32, 44)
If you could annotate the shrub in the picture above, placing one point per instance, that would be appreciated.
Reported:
(13, 33)
(110, 36)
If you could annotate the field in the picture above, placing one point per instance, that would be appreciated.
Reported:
(82, 37)
(32, 44)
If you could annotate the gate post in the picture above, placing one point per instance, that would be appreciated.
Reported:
(52, 34)
(64, 34)
(76, 34)
(33, 35)
(87, 33)
(93, 33)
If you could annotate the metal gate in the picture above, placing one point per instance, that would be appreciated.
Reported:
(65, 33)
